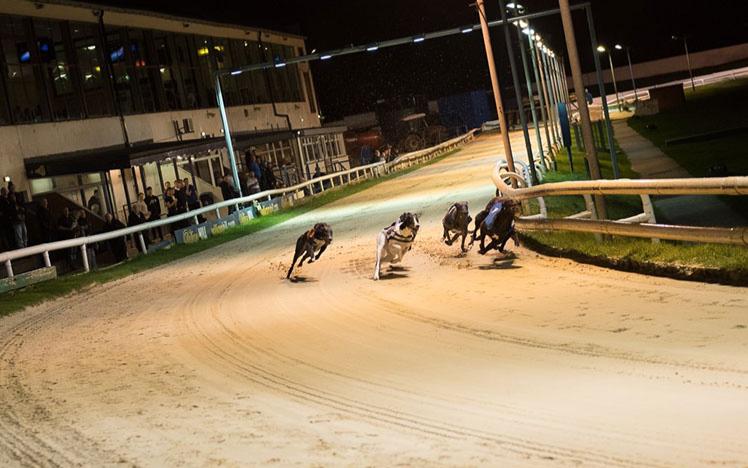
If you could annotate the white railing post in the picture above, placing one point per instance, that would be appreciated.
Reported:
(218, 213)
(9, 268)
(142, 242)
(197, 221)
(84, 257)
(45, 255)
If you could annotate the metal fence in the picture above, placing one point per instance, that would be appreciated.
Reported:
(336, 179)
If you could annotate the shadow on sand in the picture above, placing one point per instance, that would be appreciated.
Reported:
(302, 279)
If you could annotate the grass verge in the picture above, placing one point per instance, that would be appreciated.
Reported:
(710, 108)
(714, 263)
(17, 300)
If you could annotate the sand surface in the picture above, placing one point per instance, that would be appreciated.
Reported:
(456, 360)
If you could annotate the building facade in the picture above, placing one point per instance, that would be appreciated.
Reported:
(116, 100)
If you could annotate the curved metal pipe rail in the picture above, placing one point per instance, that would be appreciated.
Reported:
(641, 225)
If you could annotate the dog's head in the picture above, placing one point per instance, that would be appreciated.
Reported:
(514, 206)
(323, 231)
(408, 223)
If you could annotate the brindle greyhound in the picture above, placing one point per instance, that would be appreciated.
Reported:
(314, 241)
(497, 222)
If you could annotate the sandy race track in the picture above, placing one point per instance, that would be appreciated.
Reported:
(216, 360)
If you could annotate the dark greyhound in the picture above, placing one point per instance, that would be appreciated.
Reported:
(497, 222)
(313, 241)
(457, 222)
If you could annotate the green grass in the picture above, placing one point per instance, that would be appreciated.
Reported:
(726, 257)
(709, 108)
(17, 300)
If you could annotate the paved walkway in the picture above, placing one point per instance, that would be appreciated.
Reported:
(651, 163)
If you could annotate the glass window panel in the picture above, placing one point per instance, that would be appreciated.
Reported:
(23, 88)
(90, 67)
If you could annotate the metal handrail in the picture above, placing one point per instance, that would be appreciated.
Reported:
(368, 170)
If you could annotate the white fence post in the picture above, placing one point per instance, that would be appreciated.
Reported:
(9, 268)
(142, 242)
(47, 263)
(84, 257)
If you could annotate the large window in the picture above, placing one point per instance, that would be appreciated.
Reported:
(24, 84)
(55, 58)
(58, 70)
(89, 54)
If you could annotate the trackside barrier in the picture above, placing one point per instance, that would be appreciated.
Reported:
(640, 225)
(317, 185)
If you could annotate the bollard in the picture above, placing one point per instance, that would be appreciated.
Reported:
(47, 263)
(9, 268)
(84, 257)
(142, 243)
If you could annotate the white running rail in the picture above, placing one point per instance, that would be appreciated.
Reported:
(641, 225)
(353, 175)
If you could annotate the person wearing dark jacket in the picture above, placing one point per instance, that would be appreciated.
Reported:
(268, 181)
(116, 245)
(17, 217)
(228, 191)
(44, 219)
(154, 212)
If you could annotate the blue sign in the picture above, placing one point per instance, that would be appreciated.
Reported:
(563, 117)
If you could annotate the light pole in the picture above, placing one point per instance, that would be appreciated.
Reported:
(631, 69)
(503, 127)
(541, 88)
(688, 59)
(601, 48)
(527, 30)
(518, 90)
(584, 112)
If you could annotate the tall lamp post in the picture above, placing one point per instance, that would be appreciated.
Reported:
(631, 68)
(688, 59)
(601, 48)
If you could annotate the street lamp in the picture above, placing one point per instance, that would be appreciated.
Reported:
(688, 59)
(602, 50)
(631, 69)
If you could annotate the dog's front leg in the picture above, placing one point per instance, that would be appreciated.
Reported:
(381, 241)
(324, 247)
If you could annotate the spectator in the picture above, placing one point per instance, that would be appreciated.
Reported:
(253, 166)
(268, 176)
(167, 186)
(83, 229)
(253, 185)
(588, 96)
(44, 219)
(17, 217)
(7, 237)
(141, 207)
(193, 202)
(171, 207)
(228, 191)
(94, 203)
(154, 212)
(66, 225)
(180, 196)
(116, 245)
(136, 218)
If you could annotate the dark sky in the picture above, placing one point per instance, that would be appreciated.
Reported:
(447, 66)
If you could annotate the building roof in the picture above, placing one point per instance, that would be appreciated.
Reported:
(153, 14)
(123, 157)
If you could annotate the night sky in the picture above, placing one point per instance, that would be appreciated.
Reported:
(441, 67)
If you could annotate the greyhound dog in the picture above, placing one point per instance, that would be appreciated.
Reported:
(314, 241)
(457, 222)
(396, 240)
(497, 222)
